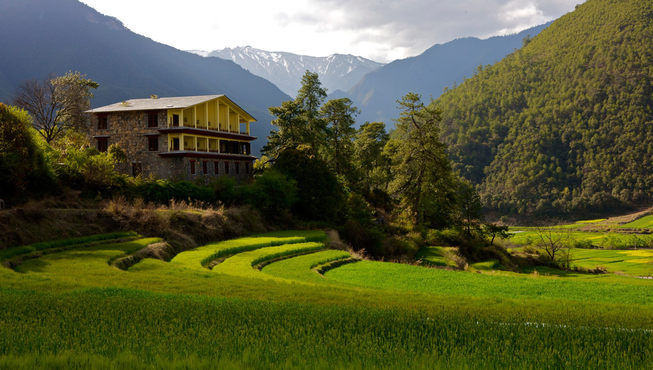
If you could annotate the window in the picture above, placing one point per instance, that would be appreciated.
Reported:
(102, 121)
(226, 167)
(152, 119)
(175, 144)
(192, 167)
(247, 169)
(137, 169)
(237, 165)
(175, 120)
(102, 143)
(153, 143)
(205, 167)
(216, 168)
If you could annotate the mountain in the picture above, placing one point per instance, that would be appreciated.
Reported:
(564, 125)
(439, 67)
(41, 37)
(337, 71)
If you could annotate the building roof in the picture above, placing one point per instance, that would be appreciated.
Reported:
(177, 102)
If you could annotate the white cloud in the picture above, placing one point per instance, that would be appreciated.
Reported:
(378, 29)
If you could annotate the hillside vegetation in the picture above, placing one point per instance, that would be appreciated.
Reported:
(564, 125)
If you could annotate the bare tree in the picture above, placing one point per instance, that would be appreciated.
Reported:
(554, 243)
(38, 99)
(56, 103)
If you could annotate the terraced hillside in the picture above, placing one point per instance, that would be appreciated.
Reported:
(285, 300)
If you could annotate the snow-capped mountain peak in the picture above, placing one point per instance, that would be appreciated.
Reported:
(336, 71)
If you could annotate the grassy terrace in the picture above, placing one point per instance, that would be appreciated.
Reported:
(71, 308)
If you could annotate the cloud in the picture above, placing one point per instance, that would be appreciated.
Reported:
(409, 27)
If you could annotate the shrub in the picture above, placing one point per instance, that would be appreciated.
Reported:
(320, 196)
(22, 164)
(272, 193)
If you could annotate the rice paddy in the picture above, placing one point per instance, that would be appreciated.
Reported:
(213, 307)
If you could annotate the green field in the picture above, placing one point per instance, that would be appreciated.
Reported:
(71, 308)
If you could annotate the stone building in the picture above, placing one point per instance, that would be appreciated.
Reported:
(177, 138)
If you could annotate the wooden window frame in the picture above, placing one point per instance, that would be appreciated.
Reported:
(102, 121)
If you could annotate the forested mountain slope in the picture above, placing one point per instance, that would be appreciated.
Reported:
(41, 37)
(564, 125)
(440, 66)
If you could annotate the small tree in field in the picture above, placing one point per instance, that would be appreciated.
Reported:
(555, 245)
(493, 231)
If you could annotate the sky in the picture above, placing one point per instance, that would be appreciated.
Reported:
(380, 30)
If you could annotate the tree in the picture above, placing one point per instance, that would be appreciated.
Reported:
(494, 230)
(469, 206)
(22, 163)
(291, 132)
(57, 103)
(422, 176)
(370, 160)
(310, 97)
(339, 116)
(554, 243)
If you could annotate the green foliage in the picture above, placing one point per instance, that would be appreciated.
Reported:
(370, 161)
(272, 193)
(320, 196)
(422, 176)
(564, 124)
(24, 169)
(339, 116)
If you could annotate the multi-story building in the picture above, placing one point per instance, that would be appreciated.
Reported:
(177, 138)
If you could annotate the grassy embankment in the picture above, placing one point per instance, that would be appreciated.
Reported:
(72, 308)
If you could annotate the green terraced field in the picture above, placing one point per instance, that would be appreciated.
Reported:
(71, 308)
(606, 240)
(301, 267)
(644, 222)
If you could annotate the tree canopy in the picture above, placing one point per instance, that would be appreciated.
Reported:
(563, 125)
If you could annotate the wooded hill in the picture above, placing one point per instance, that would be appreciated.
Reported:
(565, 124)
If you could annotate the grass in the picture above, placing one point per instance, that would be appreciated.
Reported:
(606, 240)
(73, 309)
(643, 222)
(134, 329)
(301, 267)
(376, 275)
(437, 256)
(631, 262)
(203, 255)
(6, 254)
(243, 263)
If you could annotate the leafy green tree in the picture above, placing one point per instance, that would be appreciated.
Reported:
(273, 193)
(371, 162)
(23, 166)
(310, 97)
(494, 230)
(320, 196)
(422, 176)
(469, 206)
(291, 132)
(339, 115)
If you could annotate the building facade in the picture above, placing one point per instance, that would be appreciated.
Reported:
(177, 138)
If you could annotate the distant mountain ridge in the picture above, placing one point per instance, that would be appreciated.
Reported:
(41, 37)
(439, 67)
(336, 71)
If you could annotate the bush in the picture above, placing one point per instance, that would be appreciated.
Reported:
(272, 193)
(319, 194)
(22, 164)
